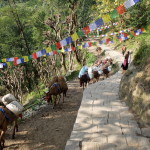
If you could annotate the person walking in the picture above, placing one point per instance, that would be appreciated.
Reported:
(123, 49)
(125, 63)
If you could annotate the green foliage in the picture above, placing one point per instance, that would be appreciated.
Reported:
(90, 58)
(141, 10)
(72, 75)
(142, 54)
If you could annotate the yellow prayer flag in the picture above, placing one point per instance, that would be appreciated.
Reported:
(106, 18)
(26, 59)
(132, 32)
(62, 50)
(48, 49)
(148, 27)
(80, 47)
(74, 36)
(8, 64)
(4, 60)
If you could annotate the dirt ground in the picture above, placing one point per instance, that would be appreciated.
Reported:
(50, 128)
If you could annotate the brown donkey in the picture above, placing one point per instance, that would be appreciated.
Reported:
(6, 117)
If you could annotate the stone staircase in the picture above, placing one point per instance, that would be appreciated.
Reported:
(104, 122)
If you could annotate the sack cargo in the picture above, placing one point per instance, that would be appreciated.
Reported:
(6, 99)
(15, 107)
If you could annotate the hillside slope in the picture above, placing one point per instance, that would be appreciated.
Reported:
(135, 90)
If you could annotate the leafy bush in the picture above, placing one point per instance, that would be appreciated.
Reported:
(90, 58)
(72, 75)
(142, 54)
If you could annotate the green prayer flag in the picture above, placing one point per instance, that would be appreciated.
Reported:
(114, 14)
(80, 33)
(30, 57)
(53, 47)
(0, 60)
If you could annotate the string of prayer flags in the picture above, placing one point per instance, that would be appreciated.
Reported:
(53, 49)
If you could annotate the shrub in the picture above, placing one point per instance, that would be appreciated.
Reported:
(142, 53)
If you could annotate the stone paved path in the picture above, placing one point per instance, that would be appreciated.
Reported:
(103, 121)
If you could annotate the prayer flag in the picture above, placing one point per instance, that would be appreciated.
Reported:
(26, 59)
(4, 60)
(74, 36)
(92, 26)
(90, 44)
(86, 30)
(120, 9)
(62, 50)
(54, 52)
(48, 49)
(136, 1)
(73, 48)
(10, 59)
(34, 55)
(43, 51)
(114, 14)
(106, 18)
(99, 22)
(69, 40)
(1, 65)
(8, 64)
(53, 47)
(63, 42)
(66, 50)
(80, 33)
(129, 3)
(58, 45)
(39, 54)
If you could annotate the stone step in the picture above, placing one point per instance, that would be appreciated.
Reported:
(90, 145)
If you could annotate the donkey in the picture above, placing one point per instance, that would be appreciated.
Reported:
(6, 117)
(84, 80)
(54, 90)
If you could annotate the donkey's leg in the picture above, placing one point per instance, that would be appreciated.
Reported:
(15, 129)
(2, 141)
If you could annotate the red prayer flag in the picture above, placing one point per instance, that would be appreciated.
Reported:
(120, 9)
(15, 61)
(34, 56)
(86, 30)
(142, 29)
(73, 48)
(90, 44)
(58, 45)
(125, 34)
(107, 41)
(55, 52)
